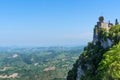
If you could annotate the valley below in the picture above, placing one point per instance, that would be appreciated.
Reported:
(39, 63)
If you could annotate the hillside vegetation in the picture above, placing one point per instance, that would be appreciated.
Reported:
(98, 63)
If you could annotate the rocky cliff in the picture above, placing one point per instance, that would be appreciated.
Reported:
(95, 62)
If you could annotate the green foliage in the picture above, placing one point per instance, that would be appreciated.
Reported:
(103, 34)
(114, 34)
(72, 73)
(91, 56)
(109, 67)
(104, 63)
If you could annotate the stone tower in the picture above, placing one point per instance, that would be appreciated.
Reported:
(100, 24)
(101, 19)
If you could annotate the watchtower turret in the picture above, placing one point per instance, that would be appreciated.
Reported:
(101, 19)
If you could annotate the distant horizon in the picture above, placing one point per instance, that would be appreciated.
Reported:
(52, 22)
(17, 46)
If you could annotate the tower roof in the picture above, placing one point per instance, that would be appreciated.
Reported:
(101, 19)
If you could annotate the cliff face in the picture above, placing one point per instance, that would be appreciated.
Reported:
(91, 64)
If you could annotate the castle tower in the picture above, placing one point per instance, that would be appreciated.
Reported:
(101, 19)
(100, 24)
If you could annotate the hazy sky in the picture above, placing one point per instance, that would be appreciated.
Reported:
(52, 22)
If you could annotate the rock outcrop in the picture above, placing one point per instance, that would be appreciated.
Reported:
(106, 35)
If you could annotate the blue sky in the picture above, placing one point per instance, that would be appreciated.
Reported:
(52, 22)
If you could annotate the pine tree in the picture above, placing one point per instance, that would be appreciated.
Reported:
(116, 22)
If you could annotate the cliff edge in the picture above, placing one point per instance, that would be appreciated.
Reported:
(100, 58)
